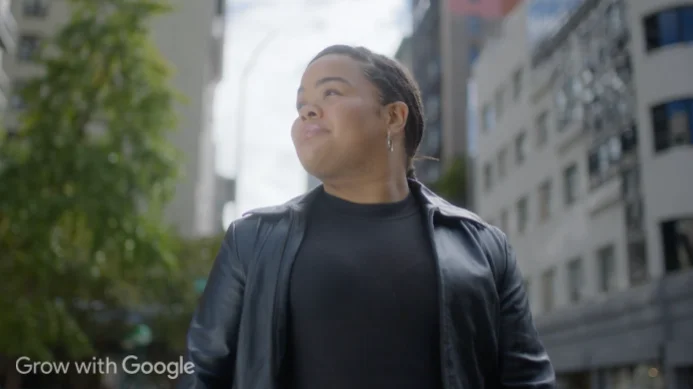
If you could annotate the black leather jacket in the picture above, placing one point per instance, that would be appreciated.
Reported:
(237, 337)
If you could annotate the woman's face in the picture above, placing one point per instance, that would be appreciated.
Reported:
(340, 129)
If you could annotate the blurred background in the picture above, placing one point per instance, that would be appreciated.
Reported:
(134, 131)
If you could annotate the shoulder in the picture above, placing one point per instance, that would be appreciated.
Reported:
(488, 239)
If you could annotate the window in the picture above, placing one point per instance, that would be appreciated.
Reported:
(637, 263)
(521, 147)
(672, 124)
(488, 176)
(542, 123)
(604, 160)
(570, 184)
(517, 84)
(629, 140)
(502, 162)
(35, 8)
(522, 214)
(498, 101)
(677, 240)
(28, 45)
(575, 280)
(606, 263)
(487, 118)
(669, 27)
(544, 200)
(615, 17)
(547, 289)
(17, 101)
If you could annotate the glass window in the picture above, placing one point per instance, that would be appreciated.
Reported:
(522, 214)
(669, 27)
(672, 124)
(35, 8)
(570, 184)
(28, 45)
(488, 176)
(687, 24)
(502, 162)
(637, 263)
(517, 84)
(545, 200)
(606, 263)
(498, 101)
(521, 147)
(542, 124)
(575, 280)
(17, 101)
(677, 239)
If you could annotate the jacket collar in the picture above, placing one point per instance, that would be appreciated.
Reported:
(430, 200)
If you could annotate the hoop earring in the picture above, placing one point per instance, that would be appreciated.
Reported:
(390, 146)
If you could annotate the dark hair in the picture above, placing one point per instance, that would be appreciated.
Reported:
(395, 83)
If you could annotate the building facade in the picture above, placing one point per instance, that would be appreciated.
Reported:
(447, 37)
(586, 169)
(8, 42)
(191, 38)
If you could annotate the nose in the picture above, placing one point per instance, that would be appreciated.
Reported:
(310, 111)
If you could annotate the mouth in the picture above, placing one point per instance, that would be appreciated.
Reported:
(312, 130)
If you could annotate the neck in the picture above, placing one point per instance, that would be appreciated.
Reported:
(369, 190)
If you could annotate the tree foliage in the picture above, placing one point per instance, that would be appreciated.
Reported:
(452, 185)
(84, 182)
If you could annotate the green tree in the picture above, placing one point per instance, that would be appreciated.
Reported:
(452, 185)
(84, 182)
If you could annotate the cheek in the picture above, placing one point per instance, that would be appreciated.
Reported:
(354, 121)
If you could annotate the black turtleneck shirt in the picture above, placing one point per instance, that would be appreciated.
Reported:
(364, 299)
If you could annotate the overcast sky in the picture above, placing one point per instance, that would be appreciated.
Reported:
(299, 29)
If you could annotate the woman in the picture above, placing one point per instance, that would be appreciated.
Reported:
(370, 280)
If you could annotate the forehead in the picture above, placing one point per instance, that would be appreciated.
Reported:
(333, 65)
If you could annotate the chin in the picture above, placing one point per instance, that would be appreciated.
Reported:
(313, 164)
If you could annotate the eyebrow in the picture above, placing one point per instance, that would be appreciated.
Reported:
(325, 80)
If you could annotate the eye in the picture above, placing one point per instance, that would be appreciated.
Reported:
(299, 105)
(330, 92)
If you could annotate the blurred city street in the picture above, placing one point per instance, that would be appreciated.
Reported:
(135, 131)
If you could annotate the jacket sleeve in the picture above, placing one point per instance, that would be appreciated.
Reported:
(213, 333)
(524, 362)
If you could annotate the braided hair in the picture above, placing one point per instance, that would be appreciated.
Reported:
(395, 83)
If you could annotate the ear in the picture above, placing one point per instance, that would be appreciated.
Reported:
(396, 117)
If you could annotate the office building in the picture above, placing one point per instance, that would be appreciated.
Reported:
(585, 164)
(191, 38)
(404, 53)
(447, 38)
(8, 41)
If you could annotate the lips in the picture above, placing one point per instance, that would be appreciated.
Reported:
(311, 130)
